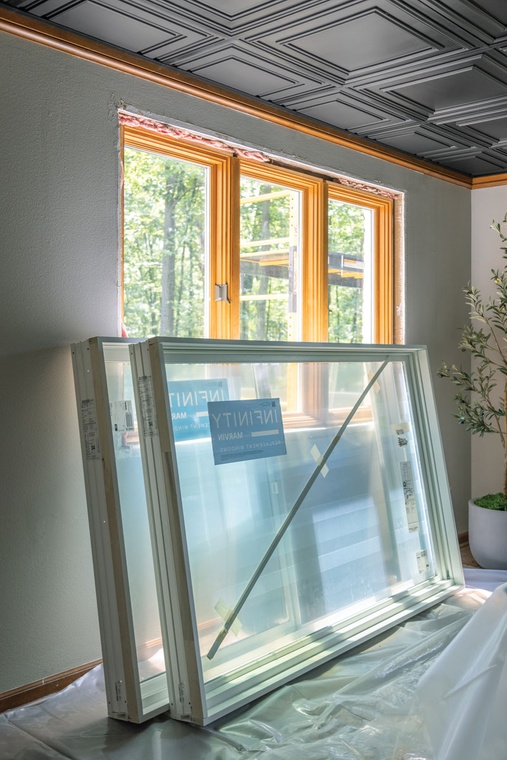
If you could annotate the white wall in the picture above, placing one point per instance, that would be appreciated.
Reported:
(59, 283)
(488, 205)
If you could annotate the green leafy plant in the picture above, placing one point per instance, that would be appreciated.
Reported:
(481, 397)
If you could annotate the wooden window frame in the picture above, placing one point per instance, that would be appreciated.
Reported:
(223, 225)
(225, 170)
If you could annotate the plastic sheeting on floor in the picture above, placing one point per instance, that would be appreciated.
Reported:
(362, 706)
(464, 693)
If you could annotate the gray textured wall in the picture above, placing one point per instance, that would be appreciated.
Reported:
(488, 204)
(59, 250)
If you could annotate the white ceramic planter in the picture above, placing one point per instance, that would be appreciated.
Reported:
(487, 536)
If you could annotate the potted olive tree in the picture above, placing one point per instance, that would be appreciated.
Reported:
(481, 400)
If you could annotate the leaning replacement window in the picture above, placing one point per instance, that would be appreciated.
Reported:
(137, 684)
(302, 501)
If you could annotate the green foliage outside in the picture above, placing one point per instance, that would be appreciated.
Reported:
(164, 246)
(481, 398)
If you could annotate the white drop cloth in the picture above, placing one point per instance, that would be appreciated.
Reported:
(362, 706)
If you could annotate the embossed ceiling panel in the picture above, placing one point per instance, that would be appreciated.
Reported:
(336, 111)
(233, 71)
(338, 44)
(113, 26)
(495, 129)
(414, 141)
(458, 88)
(427, 77)
(476, 10)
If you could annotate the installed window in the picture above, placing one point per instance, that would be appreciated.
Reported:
(216, 245)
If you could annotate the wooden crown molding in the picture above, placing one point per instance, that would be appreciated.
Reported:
(27, 27)
(492, 180)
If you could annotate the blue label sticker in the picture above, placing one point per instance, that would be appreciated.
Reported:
(242, 430)
(188, 401)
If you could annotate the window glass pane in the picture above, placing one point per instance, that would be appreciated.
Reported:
(135, 526)
(358, 537)
(270, 253)
(350, 273)
(165, 245)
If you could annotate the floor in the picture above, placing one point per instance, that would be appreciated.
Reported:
(361, 706)
(366, 705)
(466, 556)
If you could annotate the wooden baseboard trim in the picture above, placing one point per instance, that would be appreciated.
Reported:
(22, 695)
(463, 538)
